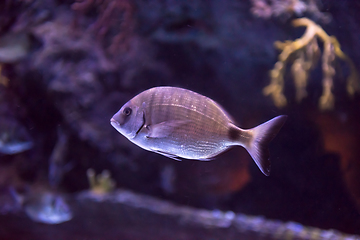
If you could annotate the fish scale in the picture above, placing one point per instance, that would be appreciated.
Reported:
(204, 115)
(180, 123)
(183, 105)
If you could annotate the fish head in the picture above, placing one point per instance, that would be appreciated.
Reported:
(129, 119)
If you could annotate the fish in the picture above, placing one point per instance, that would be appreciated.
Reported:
(43, 206)
(14, 47)
(14, 138)
(182, 124)
(48, 208)
(14, 147)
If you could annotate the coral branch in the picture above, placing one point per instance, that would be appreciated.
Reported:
(306, 52)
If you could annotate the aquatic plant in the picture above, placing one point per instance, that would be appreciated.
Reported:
(101, 183)
(306, 52)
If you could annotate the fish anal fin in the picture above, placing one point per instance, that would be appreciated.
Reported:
(169, 155)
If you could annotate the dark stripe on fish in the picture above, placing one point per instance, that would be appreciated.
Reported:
(142, 124)
(151, 103)
(233, 134)
(165, 99)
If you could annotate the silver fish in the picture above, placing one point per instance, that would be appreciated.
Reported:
(48, 208)
(182, 124)
(14, 138)
(44, 206)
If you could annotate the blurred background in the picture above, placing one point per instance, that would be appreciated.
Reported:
(67, 66)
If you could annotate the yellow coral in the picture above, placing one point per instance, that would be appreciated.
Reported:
(101, 183)
(306, 51)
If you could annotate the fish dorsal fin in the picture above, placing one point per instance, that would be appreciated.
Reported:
(165, 128)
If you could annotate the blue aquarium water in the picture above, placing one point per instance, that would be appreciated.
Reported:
(67, 67)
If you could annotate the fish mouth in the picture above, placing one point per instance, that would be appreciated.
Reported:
(114, 123)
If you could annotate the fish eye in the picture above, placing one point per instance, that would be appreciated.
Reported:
(127, 111)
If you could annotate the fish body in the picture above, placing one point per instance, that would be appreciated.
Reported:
(43, 206)
(48, 208)
(14, 138)
(14, 147)
(180, 123)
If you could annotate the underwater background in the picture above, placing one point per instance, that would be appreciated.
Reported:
(67, 66)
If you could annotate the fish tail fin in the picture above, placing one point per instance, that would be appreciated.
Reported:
(259, 140)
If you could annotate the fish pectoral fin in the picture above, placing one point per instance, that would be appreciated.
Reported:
(164, 129)
(169, 155)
